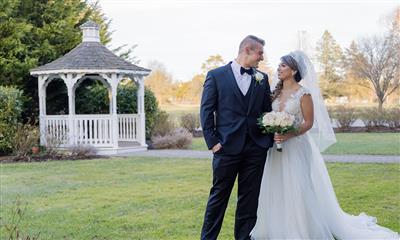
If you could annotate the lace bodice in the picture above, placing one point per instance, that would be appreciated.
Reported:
(292, 105)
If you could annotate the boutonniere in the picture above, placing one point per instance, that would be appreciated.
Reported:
(259, 77)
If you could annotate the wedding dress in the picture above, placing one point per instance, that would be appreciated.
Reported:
(297, 200)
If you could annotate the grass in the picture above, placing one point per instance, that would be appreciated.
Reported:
(350, 143)
(366, 143)
(176, 111)
(155, 198)
(181, 108)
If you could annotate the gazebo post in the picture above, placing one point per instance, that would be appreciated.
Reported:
(71, 112)
(141, 111)
(114, 86)
(110, 93)
(70, 81)
(42, 108)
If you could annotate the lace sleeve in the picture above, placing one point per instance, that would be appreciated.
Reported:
(303, 91)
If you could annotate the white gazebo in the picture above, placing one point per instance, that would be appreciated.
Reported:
(109, 133)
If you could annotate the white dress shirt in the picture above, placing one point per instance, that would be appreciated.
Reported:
(243, 81)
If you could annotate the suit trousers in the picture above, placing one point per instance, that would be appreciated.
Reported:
(248, 166)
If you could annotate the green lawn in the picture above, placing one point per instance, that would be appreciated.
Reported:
(350, 143)
(153, 198)
(177, 111)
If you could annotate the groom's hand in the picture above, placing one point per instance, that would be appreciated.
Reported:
(216, 148)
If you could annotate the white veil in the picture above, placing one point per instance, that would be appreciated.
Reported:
(322, 130)
(341, 224)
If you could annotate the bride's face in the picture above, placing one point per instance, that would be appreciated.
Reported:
(284, 71)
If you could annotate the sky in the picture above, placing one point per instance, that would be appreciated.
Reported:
(183, 34)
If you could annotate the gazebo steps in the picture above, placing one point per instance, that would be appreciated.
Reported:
(119, 150)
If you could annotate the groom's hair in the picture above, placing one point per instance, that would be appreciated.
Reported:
(251, 41)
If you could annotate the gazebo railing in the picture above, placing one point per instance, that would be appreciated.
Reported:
(128, 125)
(55, 130)
(95, 130)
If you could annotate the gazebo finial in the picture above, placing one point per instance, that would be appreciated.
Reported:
(90, 32)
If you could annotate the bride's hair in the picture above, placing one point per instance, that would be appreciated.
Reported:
(291, 62)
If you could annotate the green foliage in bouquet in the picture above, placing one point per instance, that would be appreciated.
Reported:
(275, 128)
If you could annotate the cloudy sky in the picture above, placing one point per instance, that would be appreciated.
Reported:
(182, 34)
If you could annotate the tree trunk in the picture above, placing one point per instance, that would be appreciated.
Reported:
(380, 106)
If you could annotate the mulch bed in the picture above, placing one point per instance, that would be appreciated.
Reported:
(45, 158)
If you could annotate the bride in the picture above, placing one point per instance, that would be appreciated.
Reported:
(297, 200)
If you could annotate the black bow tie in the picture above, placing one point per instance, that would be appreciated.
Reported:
(244, 70)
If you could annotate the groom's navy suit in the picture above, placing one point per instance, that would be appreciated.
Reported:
(230, 118)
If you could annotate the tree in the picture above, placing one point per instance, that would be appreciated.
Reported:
(212, 62)
(265, 67)
(36, 32)
(375, 61)
(354, 87)
(196, 84)
(196, 88)
(160, 82)
(126, 52)
(182, 91)
(330, 57)
(10, 113)
(190, 91)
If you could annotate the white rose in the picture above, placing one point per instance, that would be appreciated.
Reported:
(259, 77)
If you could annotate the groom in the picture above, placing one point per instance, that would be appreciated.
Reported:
(234, 96)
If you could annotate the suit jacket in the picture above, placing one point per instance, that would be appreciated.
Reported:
(224, 116)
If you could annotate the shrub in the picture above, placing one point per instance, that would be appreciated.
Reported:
(10, 111)
(13, 225)
(52, 148)
(26, 137)
(82, 151)
(179, 138)
(163, 125)
(344, 116)
(92, 98)
(391, 117)
(190, 121)
(127, 103)
(372, 118)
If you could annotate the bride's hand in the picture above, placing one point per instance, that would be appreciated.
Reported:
(282, 137)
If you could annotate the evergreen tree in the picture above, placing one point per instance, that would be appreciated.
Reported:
(330, 57)
(36, 32)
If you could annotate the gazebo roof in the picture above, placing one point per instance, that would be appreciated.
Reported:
(90, 24)
(90, 55)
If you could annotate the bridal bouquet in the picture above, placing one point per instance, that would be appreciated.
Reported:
(277, 122)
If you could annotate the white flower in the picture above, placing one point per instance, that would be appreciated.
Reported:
(259, 77)
(281, 119)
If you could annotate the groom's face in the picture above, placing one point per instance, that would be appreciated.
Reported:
(255, 55)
